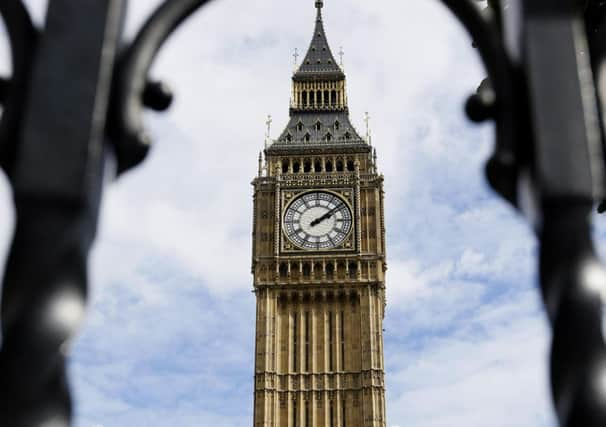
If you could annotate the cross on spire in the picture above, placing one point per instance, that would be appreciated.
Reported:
(268, 123)
(367, 121)
(296, 56)
(341, 53)
(319, 4)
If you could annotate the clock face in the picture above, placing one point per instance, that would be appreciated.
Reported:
(317, 220)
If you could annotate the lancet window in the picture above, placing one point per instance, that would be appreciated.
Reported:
(307, 415)
(331, 414)
(307, 340)
(307, 165)
(330, 341)
(342, 330)
(294, 412)
(295, 342)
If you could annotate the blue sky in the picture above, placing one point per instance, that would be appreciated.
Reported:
(169, 334)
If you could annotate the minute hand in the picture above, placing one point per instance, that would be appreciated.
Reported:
(325, 216)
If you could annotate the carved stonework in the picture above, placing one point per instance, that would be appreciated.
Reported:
(320, 308)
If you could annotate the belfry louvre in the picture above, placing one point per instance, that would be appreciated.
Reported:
(319, 260)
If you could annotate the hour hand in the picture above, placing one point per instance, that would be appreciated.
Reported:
(319, 220)
(325, 216)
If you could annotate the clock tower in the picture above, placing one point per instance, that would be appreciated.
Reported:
(319, 260)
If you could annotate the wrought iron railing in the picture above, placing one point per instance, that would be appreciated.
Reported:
(72, 107)
(63, 122)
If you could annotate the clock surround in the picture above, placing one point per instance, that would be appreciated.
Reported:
(344, 244)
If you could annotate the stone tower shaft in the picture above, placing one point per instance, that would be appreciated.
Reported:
(319, 261)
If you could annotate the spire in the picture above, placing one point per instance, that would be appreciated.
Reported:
(319, 116)
(319, 61)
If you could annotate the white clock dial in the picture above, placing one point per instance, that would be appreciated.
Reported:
(317, 220)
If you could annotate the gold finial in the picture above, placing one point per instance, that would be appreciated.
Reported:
(268, 131)
(367, 121)
(260, 163)
(374, 159)
(268, 123)
(296, 56)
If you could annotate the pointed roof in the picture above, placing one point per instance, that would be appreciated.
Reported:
(319, 62)
(321, 129)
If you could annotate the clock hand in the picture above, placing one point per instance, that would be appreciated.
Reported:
(325, 216)
(319, 220)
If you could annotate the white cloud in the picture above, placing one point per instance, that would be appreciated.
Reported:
(490, 372)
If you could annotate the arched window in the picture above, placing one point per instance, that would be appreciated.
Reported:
(296, 167)
(333, 97)
(295, 411)
(305, 98)
(307, 415)
(318, 125)
(347, 135)
(284, 166)
(328, 166)
(306, 270)
(353, 268)
(307, 137)
(299, 126)
(341, 269)
(283, 270)
(330, 270)
(318, 269)
(328, 137)
(339, 165)
(350, 165)
(326, 97)
(337, 125)
(307, 165)
(318, 97)
(289, 137)
(312, 98)
(317, 166)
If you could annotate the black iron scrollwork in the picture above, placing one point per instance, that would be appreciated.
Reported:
(22, 36)
(74, 98)
(133, 89)
(549, 163)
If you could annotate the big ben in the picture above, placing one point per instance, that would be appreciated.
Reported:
(319, 260)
